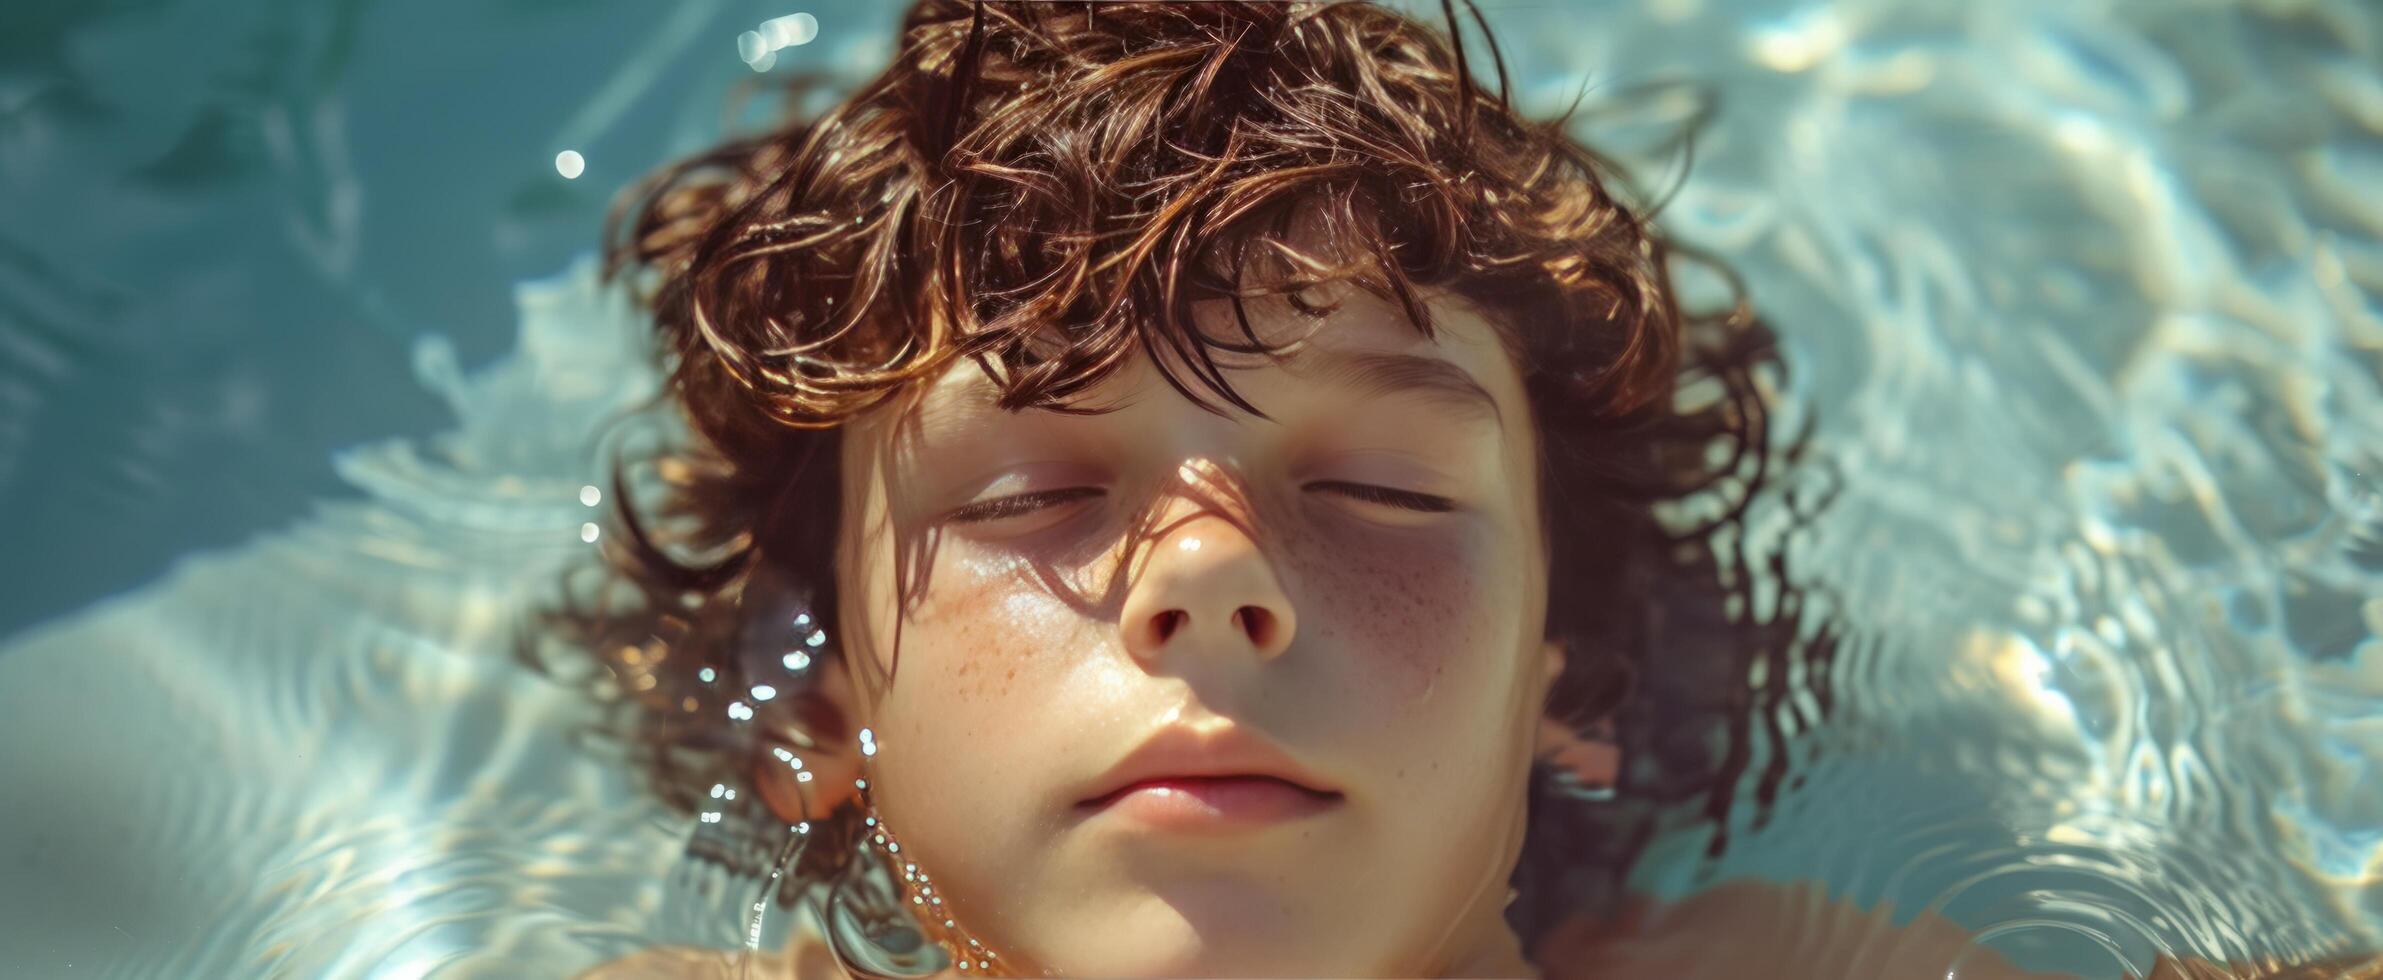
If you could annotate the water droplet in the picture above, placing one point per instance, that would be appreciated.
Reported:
(705, 675)
(797, 660)
(791, 30)
(588, 532)
(590, 496)
(750, 46)
(570, 164)
(764, 692)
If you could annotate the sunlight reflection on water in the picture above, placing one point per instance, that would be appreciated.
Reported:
(2080, 298)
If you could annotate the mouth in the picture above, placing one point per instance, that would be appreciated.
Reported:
(1211, 803)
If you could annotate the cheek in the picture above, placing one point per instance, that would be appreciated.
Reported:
(1407, 606)
(944, 725)
(983, 628)
(982, 663)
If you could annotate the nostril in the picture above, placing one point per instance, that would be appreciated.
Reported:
(1256, 622)
(1168, 622)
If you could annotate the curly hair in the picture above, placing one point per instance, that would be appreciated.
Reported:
(1045, 189)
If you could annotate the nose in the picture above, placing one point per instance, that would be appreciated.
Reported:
(1204, 585)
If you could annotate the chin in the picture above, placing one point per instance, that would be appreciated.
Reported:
(1169, 943)
(1226, 959)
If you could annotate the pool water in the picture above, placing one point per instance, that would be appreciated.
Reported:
(304, 374)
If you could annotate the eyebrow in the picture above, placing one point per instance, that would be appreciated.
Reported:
(1382, 373)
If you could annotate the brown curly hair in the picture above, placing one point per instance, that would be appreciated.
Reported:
(1045, 189)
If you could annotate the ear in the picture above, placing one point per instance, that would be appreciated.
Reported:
(1593, 758)
(810, 754)
(1552, 654)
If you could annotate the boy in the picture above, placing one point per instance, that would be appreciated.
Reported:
(1176, 486)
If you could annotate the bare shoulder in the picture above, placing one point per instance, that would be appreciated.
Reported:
(1797, 931)
(1792, 931)
(805, 958)
(2361, 966)
(669, 963)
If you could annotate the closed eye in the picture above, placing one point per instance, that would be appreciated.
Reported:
(1024, 503)
(1386, 496)
(1027, 503)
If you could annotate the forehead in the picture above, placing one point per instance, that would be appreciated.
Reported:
(1365, 347)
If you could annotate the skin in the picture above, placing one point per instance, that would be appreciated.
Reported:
(1400, 658)
(1782, 930)
(1396, 652)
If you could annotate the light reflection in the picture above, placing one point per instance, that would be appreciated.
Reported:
(1800, 43)
(759, 48)
(790, 30)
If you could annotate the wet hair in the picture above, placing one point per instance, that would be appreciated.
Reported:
(1045, 189)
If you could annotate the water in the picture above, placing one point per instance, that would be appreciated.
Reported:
(304, 374)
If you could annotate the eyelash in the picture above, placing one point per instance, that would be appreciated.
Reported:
(1025, 503)
(993, 510)
(1407, 499)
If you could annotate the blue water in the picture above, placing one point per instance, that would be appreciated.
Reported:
(302, 372)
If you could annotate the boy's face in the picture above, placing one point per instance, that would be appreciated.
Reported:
(1390, 651)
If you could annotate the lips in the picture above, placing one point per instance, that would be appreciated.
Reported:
(1212, 803)
(1208, 787)
(1207, 778)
